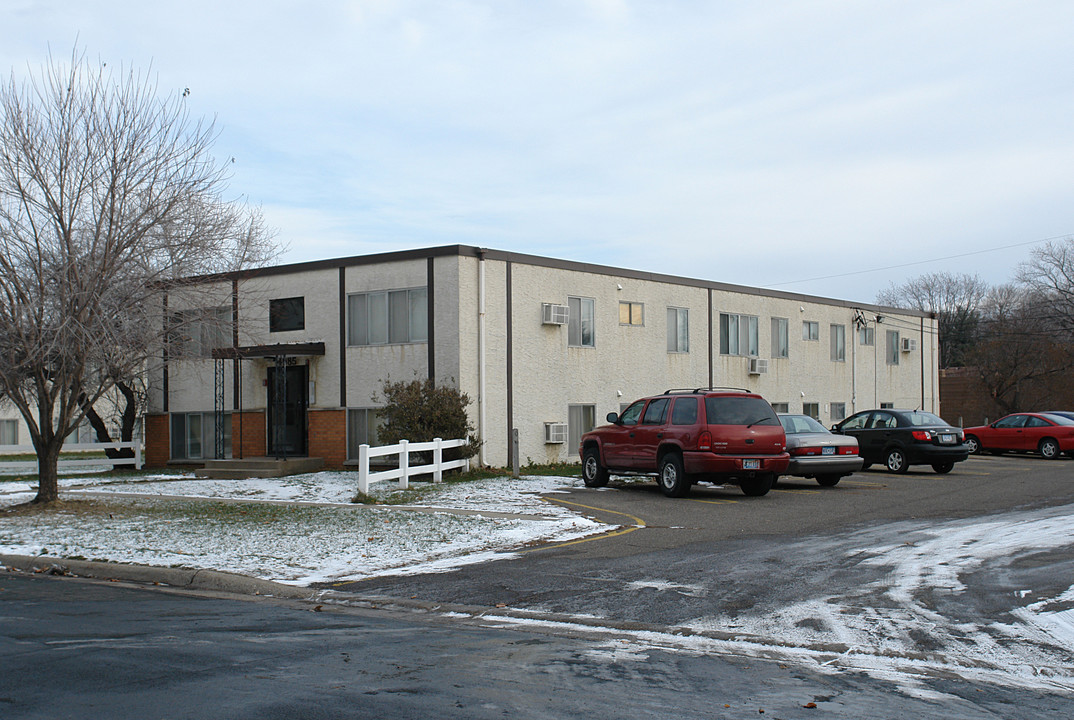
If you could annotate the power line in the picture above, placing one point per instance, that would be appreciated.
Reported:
(920, 262)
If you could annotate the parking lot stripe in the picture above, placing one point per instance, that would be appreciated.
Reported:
(639, 524)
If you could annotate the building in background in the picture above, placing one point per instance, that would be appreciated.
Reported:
(291, 358)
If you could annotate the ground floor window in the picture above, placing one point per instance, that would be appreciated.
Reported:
(9, 432)
(580, 420)
(812, 410)
(362, 426)
(781, 407)
(194, 435)
(839, 411)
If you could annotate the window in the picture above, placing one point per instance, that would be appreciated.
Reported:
(580, 325)
(810, 330)
(631, 313)
(678, 330)
(362, 427)
(657, 412)
(866, 336)
(739, 411)
(684, 412)
(580, 420)
(893, 347)
(195, 333)
(781, 407)
(738, 335)
(1013, 421)
(839, 343)
(388, 317)
(194, 435)
(9, 432)
(812, 410)
(838, 411)
(887, 406)
(631, 414)
(780, 338)
(287, 314)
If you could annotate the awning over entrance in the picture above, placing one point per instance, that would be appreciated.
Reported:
(290, 350)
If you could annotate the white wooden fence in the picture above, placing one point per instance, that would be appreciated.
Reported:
(404, 472)
(136, 461)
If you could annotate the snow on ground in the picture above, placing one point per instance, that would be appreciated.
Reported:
(326, 538)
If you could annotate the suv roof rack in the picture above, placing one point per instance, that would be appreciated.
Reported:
(680, 391)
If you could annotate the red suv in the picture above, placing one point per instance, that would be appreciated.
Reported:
(685, 436)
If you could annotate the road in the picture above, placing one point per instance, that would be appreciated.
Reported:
(886, 597)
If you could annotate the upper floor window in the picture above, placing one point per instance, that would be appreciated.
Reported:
(631, 313)
(580, 326)
(780, 338)
(738, 334)
(388, 317)
(287, 314)
(195, 333)
(839, 343)
(893, 347)
(810, 330)
(678, 330)
(866, 336)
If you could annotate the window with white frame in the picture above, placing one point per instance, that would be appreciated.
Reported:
(631, 313)
(362, 427)
(194, 435)
(839, 343)
(866, 336)
(810, 330)
(9, 432)
(812, 410)
(738, 335)
(678, 330)
(893, 347)
(581, 325)
(781, 338)
(580, 420)
(838, 411)
(388, 317)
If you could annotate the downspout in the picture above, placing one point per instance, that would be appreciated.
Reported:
(481, 341)
(853, 366)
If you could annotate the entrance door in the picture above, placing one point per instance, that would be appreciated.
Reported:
(287, 430)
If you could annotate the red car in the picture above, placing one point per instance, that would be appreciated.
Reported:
(1049, 435)
(687, 436)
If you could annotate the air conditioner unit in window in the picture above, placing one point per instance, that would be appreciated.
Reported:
(909, 344)
(554, 314)
(555, 433)
(758, 366)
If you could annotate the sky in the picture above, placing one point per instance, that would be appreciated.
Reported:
(825, 147)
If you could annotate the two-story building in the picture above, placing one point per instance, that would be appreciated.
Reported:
(546, 347)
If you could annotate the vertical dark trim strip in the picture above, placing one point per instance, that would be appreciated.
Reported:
(164, 369)
(430, 296)
(510, 368)
(235, 343)
(342, 336)
(712, 380)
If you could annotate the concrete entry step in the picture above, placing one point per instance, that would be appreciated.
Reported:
(261, 467)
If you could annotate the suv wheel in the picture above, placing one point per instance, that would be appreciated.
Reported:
(828, 480)
(672, 479)
(758, 485)
(896, 461)
(593, 473)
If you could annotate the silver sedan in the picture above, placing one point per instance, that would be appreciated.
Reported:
(818, 453)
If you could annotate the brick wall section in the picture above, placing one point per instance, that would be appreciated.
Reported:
(248, 434)
(157, 441)
(964, 397)
(328, 436)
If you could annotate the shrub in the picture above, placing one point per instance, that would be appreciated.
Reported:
(420, 411)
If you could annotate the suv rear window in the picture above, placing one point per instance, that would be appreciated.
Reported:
(739, 411)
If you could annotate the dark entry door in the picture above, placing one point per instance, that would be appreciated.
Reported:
(287, 427)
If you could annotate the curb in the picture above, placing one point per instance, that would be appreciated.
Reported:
(185, 578)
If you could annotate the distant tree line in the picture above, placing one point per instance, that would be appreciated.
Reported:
(1016, 338)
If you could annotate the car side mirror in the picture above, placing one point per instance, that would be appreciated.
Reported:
(613, 418)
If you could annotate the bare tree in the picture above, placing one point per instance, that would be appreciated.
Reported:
(1049, 275)
(956, 301)
(107, 193)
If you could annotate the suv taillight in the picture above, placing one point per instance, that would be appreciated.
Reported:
(704, 440)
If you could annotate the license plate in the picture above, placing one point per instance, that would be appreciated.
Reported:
(947, 439)
(751, 464)
(827, 451)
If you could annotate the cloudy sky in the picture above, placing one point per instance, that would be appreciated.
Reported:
(829, 147)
